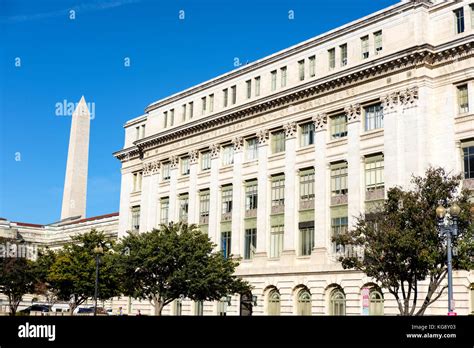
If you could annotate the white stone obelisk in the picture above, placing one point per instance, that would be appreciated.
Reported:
(75, 184)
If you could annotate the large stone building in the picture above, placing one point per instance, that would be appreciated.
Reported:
(273, 158)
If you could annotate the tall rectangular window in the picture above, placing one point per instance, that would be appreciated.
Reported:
(226, 243)
(472, 26)
(166, 171)
(307, 134)
(278, 142)
(251, 195)
(374, 173)
(183, 207)
(332, 58)
(203, 105)
(164, 210)
(227, 155)
(251, 148)
(204, 203)
(373, 117)
(211, 103)
(468, 160)
(171, 117)
(225, 94)
(278, 191)
(312, 66)
(306, 241)
(249, 88)
(137, 181)
(274, 80)
(283, 74)
(463, 99)
(459, 20)
(338, 226)
(339, 179)
(165, 119)
(142, 131)
(307, 185)
(191, 110)
(233, 90)
(206, 160)
(364, 41)
(227, 193)
(343, 54)
(276, 240)
(378, 42)
(250, 243)
(137, 133)
(338, 126)
(183, 112)
(185, 166)
(301, 70)
(257, 86)
(136, 218)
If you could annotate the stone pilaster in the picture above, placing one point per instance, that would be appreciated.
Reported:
(173, 211)
(237, 200)
(193, 207)
(149, 205)
(263, 206)
(291, 192)
(214, 208)
(393, 145)
(125, 216)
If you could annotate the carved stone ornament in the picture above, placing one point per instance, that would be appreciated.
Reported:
(409, 97)
(174, 161)
(215, 149)
(353, 112)
(238, 143)
(320, 121)
(193, 156)
(151, 168)
(290, 129)
(390, 101)
(262, 136)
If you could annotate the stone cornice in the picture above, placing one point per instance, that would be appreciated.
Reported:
(416, 56)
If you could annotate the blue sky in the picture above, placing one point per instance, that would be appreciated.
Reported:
(63, 58)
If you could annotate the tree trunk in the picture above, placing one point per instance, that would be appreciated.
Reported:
(158, 303)
(13, 303)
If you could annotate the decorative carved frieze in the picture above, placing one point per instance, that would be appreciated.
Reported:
(151, 168)
(174, 161)
(320, 121)
(215, 149)
(262, 136)
(193, 156)
(238, 143)
(406, 98)
(290, 129)
(353, 112)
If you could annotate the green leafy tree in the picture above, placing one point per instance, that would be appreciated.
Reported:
(401, 244)
(42, 266)
(172, 262)
(72, 274)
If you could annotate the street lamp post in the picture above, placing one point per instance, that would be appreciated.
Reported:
(98, 251)
(449, 228)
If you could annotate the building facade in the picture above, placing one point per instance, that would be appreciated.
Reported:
(275, 157)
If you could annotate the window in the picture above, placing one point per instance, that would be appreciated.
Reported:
(472, 298)
(171, 117)
(191, 109)
(137, 133)
(178, 307)
(165, 119)
(339, 179)
(199, 308)
(378, 42)
(250, 243)
(307, 134)
(166, 171)
(276, 241)
(312, 66)
(373, 117)
(136, 218)
(251, 149)
(365, 47)
(225, 93)
(343, 54)
(274, 302)
(338, 126)
(376, 302)
(306, 241)
(249, 88)
(204, 204)
(278, 191)
(332, 58)
(304, 302)
(283, 76)
(463, 99)
(301, 70)
(233, 90)
(227, 202)
(472, 15)
(183, 207)
(225, 243)
(211, 103)
(374, 173)
(274, 80)
(203, 105)
(185, 166)
(468, 157)
(206, 160)
(307, 185)
(140, 132)
(459, 20)
(257, 86)
(251, 195)
(164, 210)
(338, 226)
(183, 112)
(278, 142)
(137, 181)
(227, 155)
(337, 303)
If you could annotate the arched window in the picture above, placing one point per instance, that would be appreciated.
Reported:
(376, 302)
(337, 303)
(304, 302)
(274, 302)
